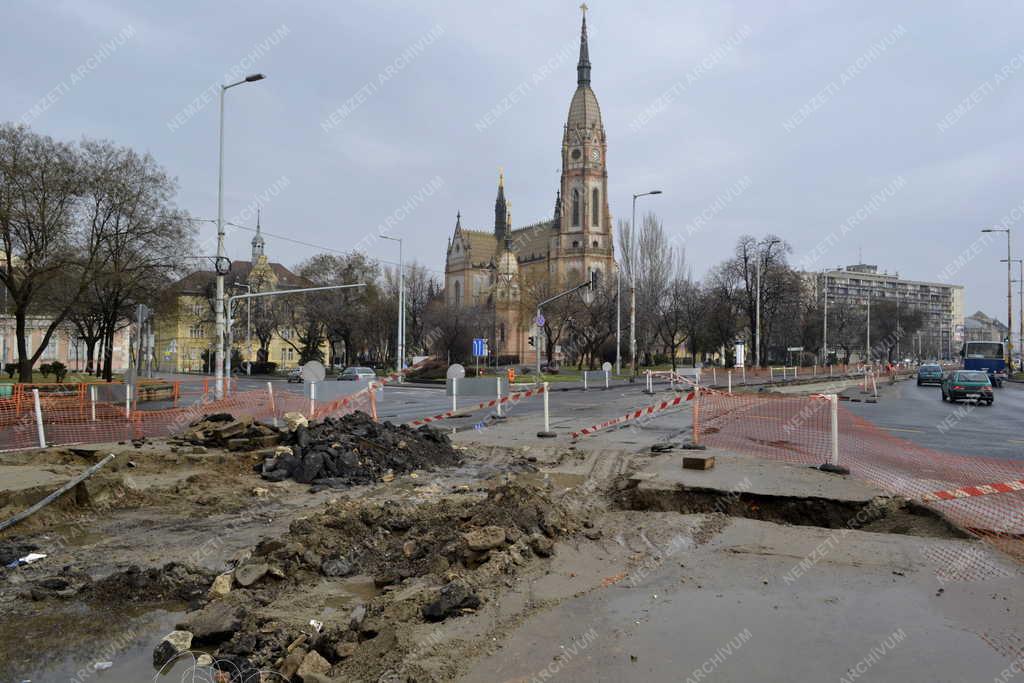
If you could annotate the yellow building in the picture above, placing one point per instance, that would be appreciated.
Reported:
(186, 333)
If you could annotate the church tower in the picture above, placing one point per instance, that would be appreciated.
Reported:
(501, 226)
(584, 240)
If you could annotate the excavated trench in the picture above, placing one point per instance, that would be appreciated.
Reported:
(880, 514)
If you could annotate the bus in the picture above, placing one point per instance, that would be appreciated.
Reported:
(989, 356)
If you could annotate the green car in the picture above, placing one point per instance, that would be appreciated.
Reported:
(929, 373)
(960, 384)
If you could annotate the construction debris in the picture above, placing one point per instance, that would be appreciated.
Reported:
(222, 430)
(352, 450)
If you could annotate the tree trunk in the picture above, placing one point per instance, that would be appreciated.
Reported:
(90, 354)
(24, 361)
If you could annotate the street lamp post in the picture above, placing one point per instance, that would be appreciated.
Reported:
(400, 341)
(618, 322)
(824, 329)
(1020, 302)
(632, 281)
(757, 312)
(1009, 298)
(219, 356)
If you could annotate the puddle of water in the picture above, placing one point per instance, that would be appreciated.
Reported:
(73, 645)
(341, 596)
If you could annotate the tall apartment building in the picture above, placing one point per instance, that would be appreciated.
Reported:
(941, 303)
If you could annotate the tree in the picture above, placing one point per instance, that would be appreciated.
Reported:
(647, 266)
(344, 312)
(82, 226)
(890, 324)
(775, 283)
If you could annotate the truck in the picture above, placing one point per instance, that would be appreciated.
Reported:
(988, 356)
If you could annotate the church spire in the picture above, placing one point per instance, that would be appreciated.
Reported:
(257, 240)
(583, 67)
(500, 209)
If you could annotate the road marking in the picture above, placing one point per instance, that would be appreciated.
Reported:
(899, 429)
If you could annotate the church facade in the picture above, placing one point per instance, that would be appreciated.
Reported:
(509, 268)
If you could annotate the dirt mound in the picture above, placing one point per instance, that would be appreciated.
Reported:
(350, 450)
(433, 562)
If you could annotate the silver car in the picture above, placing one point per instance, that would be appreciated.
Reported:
(355, 374)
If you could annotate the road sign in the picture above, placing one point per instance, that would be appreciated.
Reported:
(794, 348)
(479, 348)
(606, 366)
(539, 320)
(314, 371)
(456, 371)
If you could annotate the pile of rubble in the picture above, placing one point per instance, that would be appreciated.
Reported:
(353, 449)
(222, 430)
(429, 562)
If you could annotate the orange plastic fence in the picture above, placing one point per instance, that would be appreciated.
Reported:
(983, 496)
(66, 422)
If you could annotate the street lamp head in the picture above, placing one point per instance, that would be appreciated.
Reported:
(251, 78)
(654, 192)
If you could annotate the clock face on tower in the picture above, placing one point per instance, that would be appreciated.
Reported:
(596, 155)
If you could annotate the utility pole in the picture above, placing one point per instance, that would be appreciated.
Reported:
(1009, 298)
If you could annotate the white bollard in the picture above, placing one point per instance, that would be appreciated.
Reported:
(834, 398)
(714, 376)
(547, 433)
(312, 399)
(92, 400)
(273, 408)
(729, 373)
(607, 379)
(39, 419)
(455, 388)
(744, 374)
(584, 380)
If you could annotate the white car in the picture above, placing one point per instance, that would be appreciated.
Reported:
(355, 374)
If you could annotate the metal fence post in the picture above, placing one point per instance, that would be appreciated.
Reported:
(92, 400)
(584, 380)
(312, 399)
(455, 388)
(606, 379)
(696, 413)
(127, 400)
(729, 373)
(39, 418)
(497, 404)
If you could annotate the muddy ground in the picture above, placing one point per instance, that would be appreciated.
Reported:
(453, 573)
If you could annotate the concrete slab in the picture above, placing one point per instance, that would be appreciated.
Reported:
(759, 476)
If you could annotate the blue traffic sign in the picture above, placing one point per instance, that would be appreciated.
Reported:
(479, 348)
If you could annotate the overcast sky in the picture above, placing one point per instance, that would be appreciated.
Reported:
(887, 128)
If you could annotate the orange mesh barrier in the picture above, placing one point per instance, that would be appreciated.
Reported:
(981, 495)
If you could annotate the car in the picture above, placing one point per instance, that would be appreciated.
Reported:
(295, 376)
(355, 374)
(929, 374)
(958, 384)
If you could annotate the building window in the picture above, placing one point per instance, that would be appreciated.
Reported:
(502, 337)
(196, 332)
(596, 214)
(575, 207)
(197, 309)
(575, 243)
(458, 293)
(595, 244)
(286, 333)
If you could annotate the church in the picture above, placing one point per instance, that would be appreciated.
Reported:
(505, 268)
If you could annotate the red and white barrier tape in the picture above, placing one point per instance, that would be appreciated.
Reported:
(636, 414)
(971, 491)
(511, 398)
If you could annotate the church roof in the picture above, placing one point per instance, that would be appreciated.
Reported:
(530, 242)
(483, 246)
(199, 282)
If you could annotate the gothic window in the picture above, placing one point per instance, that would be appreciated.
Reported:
(595, 244)
(502, 337)
(458, 293)
(596, 218)
(575, 207)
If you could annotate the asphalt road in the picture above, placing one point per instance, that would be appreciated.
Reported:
(918, 414)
